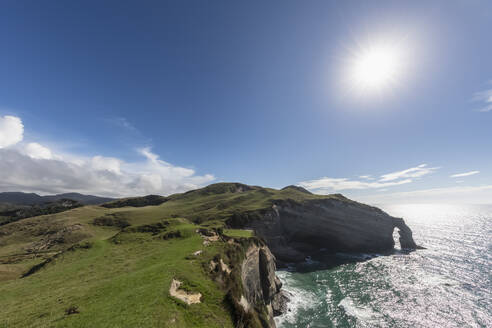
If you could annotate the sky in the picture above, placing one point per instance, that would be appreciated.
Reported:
(127, 98)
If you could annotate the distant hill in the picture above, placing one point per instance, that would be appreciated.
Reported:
(15, 212)
(22, 198)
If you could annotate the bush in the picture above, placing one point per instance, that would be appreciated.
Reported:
(73, 309)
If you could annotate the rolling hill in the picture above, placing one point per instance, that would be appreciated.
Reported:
(22, 198)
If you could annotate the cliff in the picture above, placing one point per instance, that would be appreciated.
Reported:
(246, 270)
(294, 230)
(260, 283)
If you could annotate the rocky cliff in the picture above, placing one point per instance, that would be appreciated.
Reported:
(260, 284)
(247, 271)
(294, 230)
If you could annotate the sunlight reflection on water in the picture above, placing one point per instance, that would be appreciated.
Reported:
(446, 285)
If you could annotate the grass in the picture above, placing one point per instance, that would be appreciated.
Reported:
(123, 279)
(124, 284)
(238, 233)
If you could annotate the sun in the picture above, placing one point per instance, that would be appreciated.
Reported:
(375, 67)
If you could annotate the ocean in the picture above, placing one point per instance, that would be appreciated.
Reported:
(449, 284)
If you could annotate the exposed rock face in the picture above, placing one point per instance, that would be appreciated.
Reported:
(260, 284)
(188, 298)
(295, 230)
(406, 238)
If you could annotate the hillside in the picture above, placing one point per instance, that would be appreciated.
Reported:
(11, 212)
(22, 198)
(16, 206)
(116, 264)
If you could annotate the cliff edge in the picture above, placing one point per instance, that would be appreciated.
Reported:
(295, 229)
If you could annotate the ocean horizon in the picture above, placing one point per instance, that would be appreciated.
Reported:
(445, 285)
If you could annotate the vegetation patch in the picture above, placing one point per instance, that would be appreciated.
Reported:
(172, 234)
(238, 233)
(150, 200)
(72, 310)
(154, 229)
(111, 220)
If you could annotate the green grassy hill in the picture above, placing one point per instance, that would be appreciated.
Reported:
(112, 265)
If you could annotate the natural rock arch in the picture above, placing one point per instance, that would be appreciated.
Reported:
(406, 238)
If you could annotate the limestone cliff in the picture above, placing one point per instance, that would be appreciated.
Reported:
(247, 271)
(260, 284)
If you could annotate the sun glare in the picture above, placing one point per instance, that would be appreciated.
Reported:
(375, 68)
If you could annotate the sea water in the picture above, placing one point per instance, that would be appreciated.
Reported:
(446, 285)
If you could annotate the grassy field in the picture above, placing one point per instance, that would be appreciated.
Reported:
(238, 233)
(113, 266)
(121, 282)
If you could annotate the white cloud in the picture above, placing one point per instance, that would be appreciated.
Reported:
(337, 184)
(485, 97)
(11, 131)
(98, 175)
(466, 174)
(457, 194)
(110, 164)
(35, 150)
(327, 185)
(150, 156)
(413, 172)
(22, 170)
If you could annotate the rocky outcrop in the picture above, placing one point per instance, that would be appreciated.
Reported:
(406, 238)
(260, 284)
(245, 269)
(294, 230)
(183, 295)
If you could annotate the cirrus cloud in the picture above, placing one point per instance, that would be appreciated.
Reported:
(337, 184)
(327, 184)
(485, 97)
(465, 174)
(413, 172)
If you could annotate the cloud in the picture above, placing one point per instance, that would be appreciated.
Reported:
(110, 164)
(485, 97)
(33, 167)
(35, 150)
(327, 184)
(466, 174)
(11, 131)
(413, 172)
(337, 184)
(97, 175)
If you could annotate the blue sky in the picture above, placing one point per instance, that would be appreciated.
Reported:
(160, 97)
